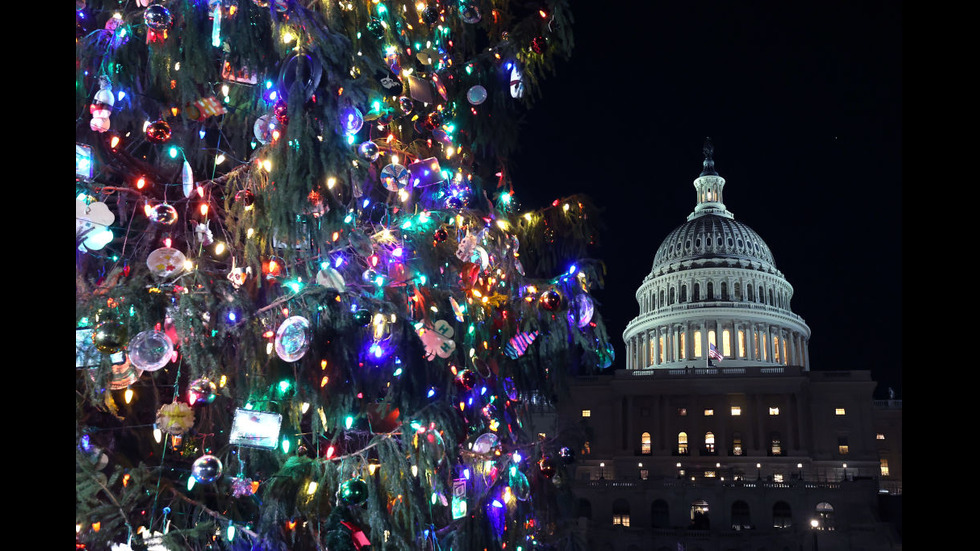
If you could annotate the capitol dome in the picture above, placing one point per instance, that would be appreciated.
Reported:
(714, 281)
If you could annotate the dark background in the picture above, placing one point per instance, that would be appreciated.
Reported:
(803, 101)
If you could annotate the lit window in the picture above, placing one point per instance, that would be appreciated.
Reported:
(709, 442)
(765, 348)
(741, 343)
(542, 436)
(663, 348)
(777, 477)
(645, 443)
(842, 445)
(736, 410)
(726, 343)
(682, 411)
(683, 348)
(775, 348)
(839, 411)
(880, 436)
(773, 411)
(621, 519)
(709, 412)
(586, 449)
(709, 474)
(736, 444)
(884, 467)
(682, 443)
(697, 344)
(776, 447)
(586, 413)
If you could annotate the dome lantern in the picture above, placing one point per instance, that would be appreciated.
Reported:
(709, 187)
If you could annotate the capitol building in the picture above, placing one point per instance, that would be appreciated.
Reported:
(718, 435)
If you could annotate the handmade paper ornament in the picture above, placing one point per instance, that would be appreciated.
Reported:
(293, 338)
(175, 418)
(164, 214)
(123, 375)
(389, 83)
(203, 234)
(331, 279)
(201, 391)
(158, 132)
(150, 350)
(238, 275)
(476, 95)
(92, 221)
(369, 151)
(437, 339)
(425, 172)
(165, 262)
(516, 82)
(420, 89)
(581, 313)
(517, 345)
(353, 491)
(395, 177)
(206, 469)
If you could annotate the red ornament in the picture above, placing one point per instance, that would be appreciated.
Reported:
(158, 132)
(538, 44)
(281, 111)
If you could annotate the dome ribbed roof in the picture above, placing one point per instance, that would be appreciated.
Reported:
(711, 240)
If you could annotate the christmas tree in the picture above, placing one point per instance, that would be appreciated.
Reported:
(310, 311)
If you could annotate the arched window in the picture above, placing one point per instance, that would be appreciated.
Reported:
(711, 291)
(697, 344)
(621, 512)
(775, 444)
(683, 293)
(782, 515)
(697, 292)
(660, 514)
(670, 297)
(775, 348)
(682, 443)
(661, 296)
(726, 343)
(762, 296)
(738, 291)
(709, 443)
(645, 443)
(825, 516)
(751, 295)
(740, 515)
(771, 301)
(699, 515)
(724, 290)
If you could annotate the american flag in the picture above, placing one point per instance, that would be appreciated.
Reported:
(713, 353)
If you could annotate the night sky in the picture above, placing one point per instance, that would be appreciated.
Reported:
(803, 102)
